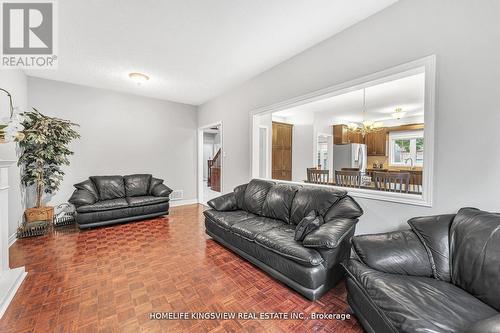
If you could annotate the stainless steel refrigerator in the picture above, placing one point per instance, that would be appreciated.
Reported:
(352, 155)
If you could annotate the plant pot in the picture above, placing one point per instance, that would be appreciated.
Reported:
(39, 214)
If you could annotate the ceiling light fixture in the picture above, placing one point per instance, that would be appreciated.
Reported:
(139, 78)
(398, 114)
(366, 126)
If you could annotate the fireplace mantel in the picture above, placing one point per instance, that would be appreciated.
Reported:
(10, 279)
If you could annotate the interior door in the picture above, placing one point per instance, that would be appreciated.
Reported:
(282, 151)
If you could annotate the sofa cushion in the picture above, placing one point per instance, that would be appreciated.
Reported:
(109, 187)
(396, 252)
(103, 205)
(434, 233)
(251, 227)
(137, 185)
(153, 183)
(346, 207)
(313, 198)
(227, 219)
(475, 253)
(279, 201)
(239, 194)
(255, 195)
(280, 240)
(88, 186)
(145, 200)
(121, 214)
(418, 304)
(308, 224)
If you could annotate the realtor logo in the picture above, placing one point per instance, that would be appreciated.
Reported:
(28, 33)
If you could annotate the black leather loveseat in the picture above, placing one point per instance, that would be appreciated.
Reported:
(443, 275)
(103, 200)
(258, 221)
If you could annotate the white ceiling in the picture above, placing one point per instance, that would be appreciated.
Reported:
(381, 101)
(193, 50)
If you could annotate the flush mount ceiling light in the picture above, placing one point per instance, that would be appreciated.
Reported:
(398, 114)
(139, 78)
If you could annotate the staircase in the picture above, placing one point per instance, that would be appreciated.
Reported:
(214, 174)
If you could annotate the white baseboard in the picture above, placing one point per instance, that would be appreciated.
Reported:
(9, 283)
(176, 203)
(12, 239)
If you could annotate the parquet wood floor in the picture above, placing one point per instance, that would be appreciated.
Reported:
(110, 279)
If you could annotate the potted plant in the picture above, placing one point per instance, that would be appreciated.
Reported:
(44, 150)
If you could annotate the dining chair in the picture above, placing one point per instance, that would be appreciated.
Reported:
(318, 176)
(392, 181)
(416, 181)
(348, 178)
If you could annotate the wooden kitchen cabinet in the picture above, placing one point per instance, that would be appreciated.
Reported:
(376, 143)
(282, 151)
(342, 135)
(355, 137)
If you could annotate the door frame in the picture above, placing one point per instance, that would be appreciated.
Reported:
(425, 65)
(201, 199)
(329, 144)
(268, 150)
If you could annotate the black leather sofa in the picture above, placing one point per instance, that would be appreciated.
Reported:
(104, 200)
(257, 221)
(443, 275)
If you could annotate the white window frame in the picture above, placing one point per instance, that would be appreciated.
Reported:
(425, 65)
(404, 135)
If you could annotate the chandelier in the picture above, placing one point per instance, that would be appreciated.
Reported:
(366, 126)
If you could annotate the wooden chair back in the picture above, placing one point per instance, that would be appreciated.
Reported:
(318, 176)
(392, 181)
(348, 178)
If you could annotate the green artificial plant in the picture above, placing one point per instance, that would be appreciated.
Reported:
(44, 151)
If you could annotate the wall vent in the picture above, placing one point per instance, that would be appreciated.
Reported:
(177, 195)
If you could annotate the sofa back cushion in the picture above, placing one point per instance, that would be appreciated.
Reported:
(434, 232)
(137, 185)
(346, 207)
(239, 194)
(308, 198)
(255, 195)
(475, 254)
(109, 187)
(153, 183)
(278, 202)
(88, 185)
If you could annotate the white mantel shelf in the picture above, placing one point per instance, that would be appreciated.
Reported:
(10, 279)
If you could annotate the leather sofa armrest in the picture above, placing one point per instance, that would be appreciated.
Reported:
(82, 198)
(397, 252)
(226, 202)
(330, 234)
(489, 325)
(161, 190)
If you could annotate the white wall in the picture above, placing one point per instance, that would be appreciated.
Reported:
(302, 151)
(13, 81)
(463, 34)
(121, 134)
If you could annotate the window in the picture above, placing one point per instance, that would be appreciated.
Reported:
(322, 153)
(406, 148)
(381, 116)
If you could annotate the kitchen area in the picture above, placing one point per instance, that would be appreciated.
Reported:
(369, 138)
(366, 161)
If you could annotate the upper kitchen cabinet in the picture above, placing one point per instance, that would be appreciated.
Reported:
(342, 135)
(376, 143)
